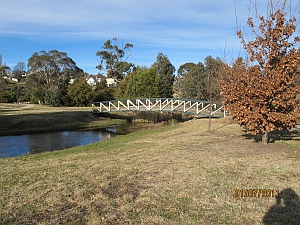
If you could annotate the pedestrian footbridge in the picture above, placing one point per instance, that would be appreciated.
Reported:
(187, 106)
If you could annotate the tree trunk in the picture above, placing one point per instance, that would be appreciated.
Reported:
(265, 138)
(209, 118)
(210, 104)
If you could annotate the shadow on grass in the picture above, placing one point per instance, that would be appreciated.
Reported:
(277, 135)
(285, 211)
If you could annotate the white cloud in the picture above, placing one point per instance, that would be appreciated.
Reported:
(169, 22)
(88, 15)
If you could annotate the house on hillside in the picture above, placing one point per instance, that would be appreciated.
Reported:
(91, 81)
(98, 79)
(110, 82)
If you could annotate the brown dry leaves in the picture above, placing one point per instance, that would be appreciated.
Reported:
(263, 96)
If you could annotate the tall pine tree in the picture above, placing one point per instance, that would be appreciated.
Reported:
(165, 71)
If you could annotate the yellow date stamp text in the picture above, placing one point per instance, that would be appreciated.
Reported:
(254, 193)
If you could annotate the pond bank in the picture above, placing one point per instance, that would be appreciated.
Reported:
(25, 130)
(46, 119)
(20, 145)
(37, 119)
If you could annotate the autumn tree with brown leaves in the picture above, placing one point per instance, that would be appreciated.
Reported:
(261, 95)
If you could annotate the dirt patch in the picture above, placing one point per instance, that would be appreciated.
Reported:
(118, 188)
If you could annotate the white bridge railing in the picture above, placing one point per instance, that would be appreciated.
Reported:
(187, 106)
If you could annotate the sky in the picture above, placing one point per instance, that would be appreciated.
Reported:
(183, 30)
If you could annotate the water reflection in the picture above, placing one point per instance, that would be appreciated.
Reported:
(11, 146)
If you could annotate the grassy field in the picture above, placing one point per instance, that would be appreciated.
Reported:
(179, 174)
(19, 119)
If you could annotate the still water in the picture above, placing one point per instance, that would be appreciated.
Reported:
(11, 146)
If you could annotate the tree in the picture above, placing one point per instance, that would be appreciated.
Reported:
(19, 70)
(199, 81)
(213, 70)
(114, 59)
(165, 71)
(262, 95)
(102, 92)
(80, 93)
(142, 83)
(3, 70)
(190, 81)
(147, 85)
(49, 74)
(128, 87)
(121, 88)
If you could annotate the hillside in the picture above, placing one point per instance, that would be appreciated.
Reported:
(179, 174)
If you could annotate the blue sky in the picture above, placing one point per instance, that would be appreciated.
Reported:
(184, 30)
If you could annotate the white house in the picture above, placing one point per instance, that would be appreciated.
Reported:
(110, 82)
(98, 79)
(91, 81)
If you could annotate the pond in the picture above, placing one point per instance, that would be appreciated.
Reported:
(12, 146)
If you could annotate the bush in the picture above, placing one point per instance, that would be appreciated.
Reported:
(158, 117)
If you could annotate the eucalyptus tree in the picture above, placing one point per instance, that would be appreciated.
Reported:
(19, 70)
(113, 59)
(48, 76)
(214, 69)
(190, 81)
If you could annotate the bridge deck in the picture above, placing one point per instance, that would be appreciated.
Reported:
(187, 106)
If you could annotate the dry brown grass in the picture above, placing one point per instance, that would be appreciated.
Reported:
(180, 174)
